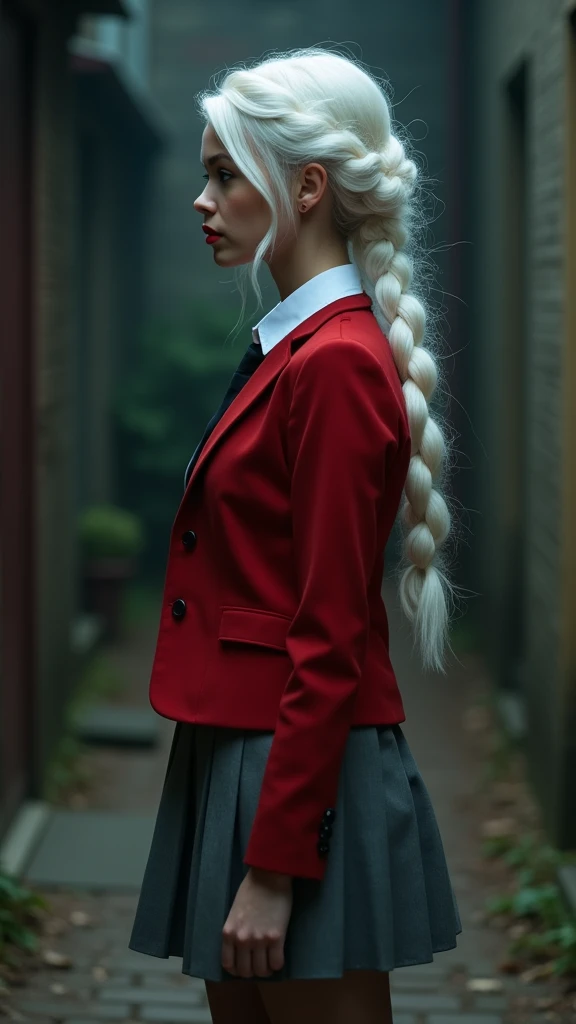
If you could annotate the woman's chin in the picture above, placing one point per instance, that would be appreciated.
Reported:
(230, 258)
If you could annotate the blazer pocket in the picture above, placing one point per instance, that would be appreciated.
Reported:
(254, 627)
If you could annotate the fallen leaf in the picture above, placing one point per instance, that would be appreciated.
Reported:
(80, 918)
(546, 1003)
(510, 966)
(58, 989)
(537, 972)
(497, 827)
(484, 985)
(55, 959)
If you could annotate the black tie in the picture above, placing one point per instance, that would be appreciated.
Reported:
(250, 361)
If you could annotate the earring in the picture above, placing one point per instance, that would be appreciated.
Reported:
(303, 207)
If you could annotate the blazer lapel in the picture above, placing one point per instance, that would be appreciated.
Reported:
(270, 368)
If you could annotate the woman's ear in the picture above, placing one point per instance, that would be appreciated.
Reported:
(313, 184)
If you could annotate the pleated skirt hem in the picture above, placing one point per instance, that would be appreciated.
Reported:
(315, 973)
(386, 899)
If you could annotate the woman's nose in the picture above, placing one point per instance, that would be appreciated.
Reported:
(203, 203)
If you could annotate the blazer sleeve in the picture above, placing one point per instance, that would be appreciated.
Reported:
(343, 419)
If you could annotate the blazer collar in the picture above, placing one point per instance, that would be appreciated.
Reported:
(270, 368)
(314, 322)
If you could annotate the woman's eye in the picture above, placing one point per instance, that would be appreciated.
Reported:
(221, 171)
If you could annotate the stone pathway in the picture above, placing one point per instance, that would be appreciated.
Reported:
(105, 981)
(100, 979)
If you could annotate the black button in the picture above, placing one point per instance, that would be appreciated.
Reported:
(322, 848)
(329, 815)
(189, 540)
(179, 608)
(325, 831)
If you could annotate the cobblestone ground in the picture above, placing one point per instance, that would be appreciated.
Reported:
(93, 976)
(99, 979)
(107, 982)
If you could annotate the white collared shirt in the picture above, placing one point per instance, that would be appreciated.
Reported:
(316, 293)
(306, 300)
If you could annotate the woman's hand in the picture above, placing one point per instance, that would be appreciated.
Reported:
(253, 935)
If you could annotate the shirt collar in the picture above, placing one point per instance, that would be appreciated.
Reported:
(306, 300)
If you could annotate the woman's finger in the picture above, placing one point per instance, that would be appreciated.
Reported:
(276, 954)
(228, 955)
(260, 960)
(244, 960)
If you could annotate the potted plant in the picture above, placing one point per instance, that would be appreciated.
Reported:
(111, 540)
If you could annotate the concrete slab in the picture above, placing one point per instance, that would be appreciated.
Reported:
(92, 850)
(117, 726)
(24, 835)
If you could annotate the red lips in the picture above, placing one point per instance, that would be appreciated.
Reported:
(210, 231)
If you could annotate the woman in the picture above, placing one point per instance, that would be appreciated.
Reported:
(296, 858)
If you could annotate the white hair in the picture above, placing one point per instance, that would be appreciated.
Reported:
(315, 105)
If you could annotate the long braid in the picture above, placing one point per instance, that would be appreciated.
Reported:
(377, 245)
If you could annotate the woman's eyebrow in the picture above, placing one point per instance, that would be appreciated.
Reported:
(213, 159)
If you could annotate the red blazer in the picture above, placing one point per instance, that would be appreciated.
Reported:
(272, 615)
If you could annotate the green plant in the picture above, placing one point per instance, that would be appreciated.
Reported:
(19, 911)
(465, 635)
(106, 531)
(542, 927)
(184, 365)
(536, 900)
(142, 603)
(100, 679)
(66, 770)
(162, 404)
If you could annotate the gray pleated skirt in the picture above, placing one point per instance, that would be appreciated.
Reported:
(385, 900)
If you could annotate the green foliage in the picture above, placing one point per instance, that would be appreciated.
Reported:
(505, 750)
(537, 899)
(465, 635)
(529, 901)
(183, 369)
(142, 603)
(19, 909)
(162, 406)
(535, 861)
(65, 770)
(100, 679)
(106, 531)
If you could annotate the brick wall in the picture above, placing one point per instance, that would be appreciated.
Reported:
(511, 370)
